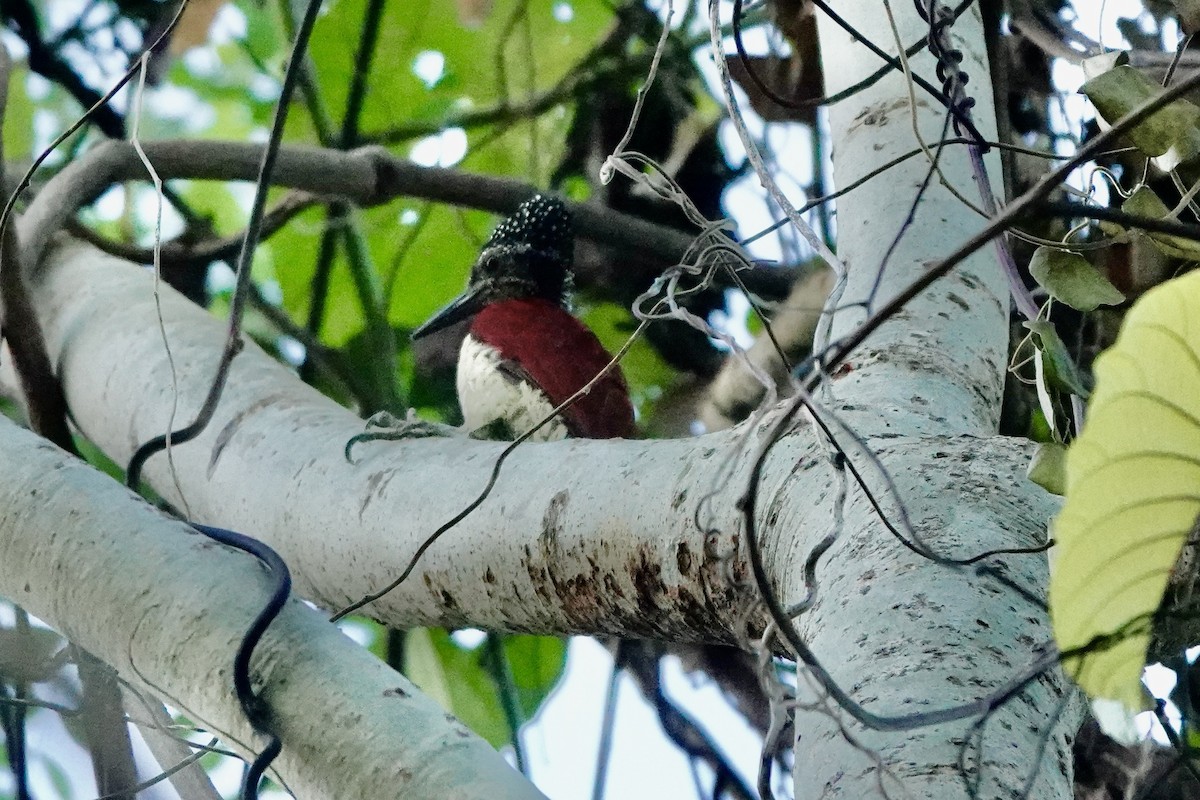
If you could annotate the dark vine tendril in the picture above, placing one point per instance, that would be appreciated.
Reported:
(949, 60)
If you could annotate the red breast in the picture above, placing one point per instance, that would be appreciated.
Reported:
(560, 355)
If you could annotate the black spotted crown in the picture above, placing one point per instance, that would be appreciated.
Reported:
(542, 223)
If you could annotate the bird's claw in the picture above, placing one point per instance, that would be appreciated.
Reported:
(388, 427)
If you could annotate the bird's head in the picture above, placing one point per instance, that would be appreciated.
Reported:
(528, 255)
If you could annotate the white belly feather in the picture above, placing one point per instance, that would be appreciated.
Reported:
(486, 394)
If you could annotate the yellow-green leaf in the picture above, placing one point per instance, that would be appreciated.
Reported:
(1048, 467)
(1069, 278)
(1133, 492)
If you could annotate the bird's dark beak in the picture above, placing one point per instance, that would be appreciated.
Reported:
(466, 304)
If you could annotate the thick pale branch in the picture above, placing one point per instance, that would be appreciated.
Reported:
(946, 352)
(167, 608)
(578, 536)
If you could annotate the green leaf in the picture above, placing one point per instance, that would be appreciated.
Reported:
(1171, 134)
(476, 60)
(1061, 371)
(18, 116)
(58, 777)
(1133, 492)
(537, 664)
(456, 678)
(1069, 277)
(1145, 203)
(1048, 467)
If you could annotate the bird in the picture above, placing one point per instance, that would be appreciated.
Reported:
(525, 353)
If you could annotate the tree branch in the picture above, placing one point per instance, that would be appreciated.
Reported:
(272, 463)
(367, 176)
(351, 727)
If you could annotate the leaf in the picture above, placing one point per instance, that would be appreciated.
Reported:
(1068, 277)
(1145, 203)
(457, 679)
(537, 664)
(1095, 66)
(1188, 12)
(1047, 468)
(1171, 134)
(1133, 492)
(1061, 371)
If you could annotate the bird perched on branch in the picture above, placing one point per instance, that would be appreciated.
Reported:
(524, 353)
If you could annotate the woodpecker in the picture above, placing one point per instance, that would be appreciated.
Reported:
(524, 353)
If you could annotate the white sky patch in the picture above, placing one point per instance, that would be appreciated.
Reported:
(59, 15)
(409, 217)
(228, 25)
(563, 740)
(147, 208)
(469, 638)
(110, 205)
(291, 350)
(443, 150)
(429, 66)
(203, 62)
(15, 44)
(181, 105)
(357, 632)
(127, 32)
(264, 87)
(220, 278)
(37, 87)
(563, 12)
(271, 291)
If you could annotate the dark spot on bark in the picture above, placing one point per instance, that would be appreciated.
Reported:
(958, 301)
(683, 558)
(538, 577)
(231, 427)
(489, 576)
(678, 501)
(448, 601)
(552, 519)
(373, 484)
(397, 692)
(646, 575)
